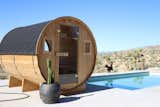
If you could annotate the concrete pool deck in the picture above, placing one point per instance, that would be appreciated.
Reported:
(94, 96)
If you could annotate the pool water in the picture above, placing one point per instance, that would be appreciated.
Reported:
(127, 81)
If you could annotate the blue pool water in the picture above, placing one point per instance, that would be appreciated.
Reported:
(126, 81)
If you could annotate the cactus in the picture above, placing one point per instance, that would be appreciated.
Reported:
(50, 72)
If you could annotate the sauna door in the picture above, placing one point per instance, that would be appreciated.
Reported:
(68, 54)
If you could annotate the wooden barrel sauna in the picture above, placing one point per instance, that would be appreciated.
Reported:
(67, 41)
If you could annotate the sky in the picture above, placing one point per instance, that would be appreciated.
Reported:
(116, 24)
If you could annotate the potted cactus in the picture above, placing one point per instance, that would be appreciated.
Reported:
(50, 90)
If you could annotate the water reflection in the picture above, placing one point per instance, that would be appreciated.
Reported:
(109, 83)
(138, 80)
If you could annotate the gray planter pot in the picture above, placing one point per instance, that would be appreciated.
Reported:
(50, 93)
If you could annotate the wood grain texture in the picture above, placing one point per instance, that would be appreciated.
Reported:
(29, 86)
(14, 82)
(22, 67)
(86, 62)
(77, 90)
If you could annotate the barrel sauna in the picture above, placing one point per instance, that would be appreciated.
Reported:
(67, 41)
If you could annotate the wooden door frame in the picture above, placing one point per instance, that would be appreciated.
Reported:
(58, 49)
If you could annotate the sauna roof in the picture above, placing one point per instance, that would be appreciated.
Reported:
(22, 40)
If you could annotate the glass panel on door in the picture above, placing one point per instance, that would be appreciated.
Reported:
(68, 54)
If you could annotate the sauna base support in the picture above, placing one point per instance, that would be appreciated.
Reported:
(14, 82)
(29, 86)
(77, 90)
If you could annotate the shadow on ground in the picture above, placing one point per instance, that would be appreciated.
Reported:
(68, 99)
(94, 88)
(90, 89)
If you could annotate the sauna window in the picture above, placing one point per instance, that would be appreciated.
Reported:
(69, 31)
(75, 32)
(47, 45)
(87, 47)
